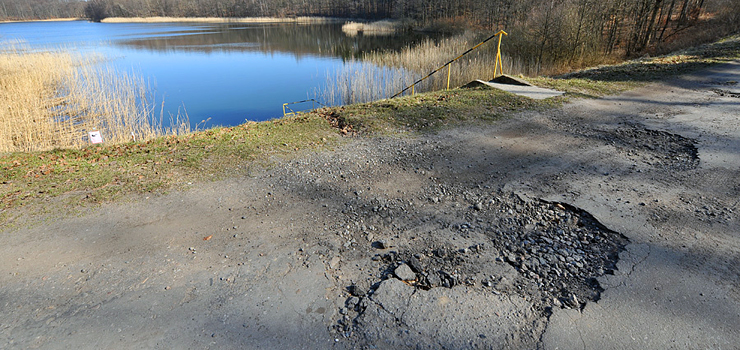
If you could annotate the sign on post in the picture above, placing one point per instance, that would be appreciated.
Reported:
(95, 137)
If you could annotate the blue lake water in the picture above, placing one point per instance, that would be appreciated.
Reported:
(229, 73)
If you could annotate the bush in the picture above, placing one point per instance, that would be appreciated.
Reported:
(96, 10)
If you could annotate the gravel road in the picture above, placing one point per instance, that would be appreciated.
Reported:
(609, 223)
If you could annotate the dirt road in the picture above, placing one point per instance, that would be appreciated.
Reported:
(609, 223)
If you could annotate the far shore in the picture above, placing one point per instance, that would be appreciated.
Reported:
(220, 20)
(44, 20)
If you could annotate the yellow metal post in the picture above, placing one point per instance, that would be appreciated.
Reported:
(499, 62)
(499, 66)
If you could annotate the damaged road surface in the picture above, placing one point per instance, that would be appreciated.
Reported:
(608, 223)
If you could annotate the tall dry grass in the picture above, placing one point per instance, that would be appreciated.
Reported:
(382, 74)
(384, 27)
(299, 20)
(359, 81)
(53, 99)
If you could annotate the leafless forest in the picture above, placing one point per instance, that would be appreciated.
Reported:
(546, 30)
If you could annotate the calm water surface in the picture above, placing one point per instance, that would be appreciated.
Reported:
(229, 73)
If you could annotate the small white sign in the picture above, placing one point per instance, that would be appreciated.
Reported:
(96, 137)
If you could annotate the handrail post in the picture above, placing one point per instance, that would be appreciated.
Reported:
(449, 64)
(499, 65)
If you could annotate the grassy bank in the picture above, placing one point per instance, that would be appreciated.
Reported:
(53, 99)
(101, 173)
(44, 20)
(609, 79)
(95, 174)
(306, 20)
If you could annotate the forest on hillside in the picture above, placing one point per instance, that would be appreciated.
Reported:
(549, 30)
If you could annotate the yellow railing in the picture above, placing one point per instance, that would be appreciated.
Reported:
(497, 67)
(289, 111)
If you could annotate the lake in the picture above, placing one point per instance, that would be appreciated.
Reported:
(229, 73)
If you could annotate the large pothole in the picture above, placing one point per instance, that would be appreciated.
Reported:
(490, 241)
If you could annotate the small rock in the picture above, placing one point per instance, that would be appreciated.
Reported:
(434, 280)
(571, 301)
(478, 206)
(359, 289)
(382, 244)
(415, 265)
(334, 262)
(556, 302)
(404, 273)
(352, 302)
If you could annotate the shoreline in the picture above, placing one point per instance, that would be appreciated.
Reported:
(221, 20)
(70, 19)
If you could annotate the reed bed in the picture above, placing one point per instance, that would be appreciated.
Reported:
(382, 74)
(384, 27)
(300, 20)
(53, 99)
(360, 81)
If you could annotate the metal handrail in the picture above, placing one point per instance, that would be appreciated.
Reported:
(448, 64)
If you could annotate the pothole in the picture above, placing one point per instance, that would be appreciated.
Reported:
(656, 148)
(550, 253)
(560, 249)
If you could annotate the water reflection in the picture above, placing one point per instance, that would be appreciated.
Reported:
(321, 40)
(226, 72)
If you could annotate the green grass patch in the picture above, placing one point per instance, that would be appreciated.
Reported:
(105, 172)
(434, 110)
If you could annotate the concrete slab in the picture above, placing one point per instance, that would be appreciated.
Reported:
(532, 92)
(508, 79)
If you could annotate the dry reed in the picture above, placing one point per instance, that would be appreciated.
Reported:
(70, 19)
(382, 74)
(301, 20)
(384, 27)
(53, 99)
(361, 81)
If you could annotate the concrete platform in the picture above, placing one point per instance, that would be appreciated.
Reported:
(518, 87)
